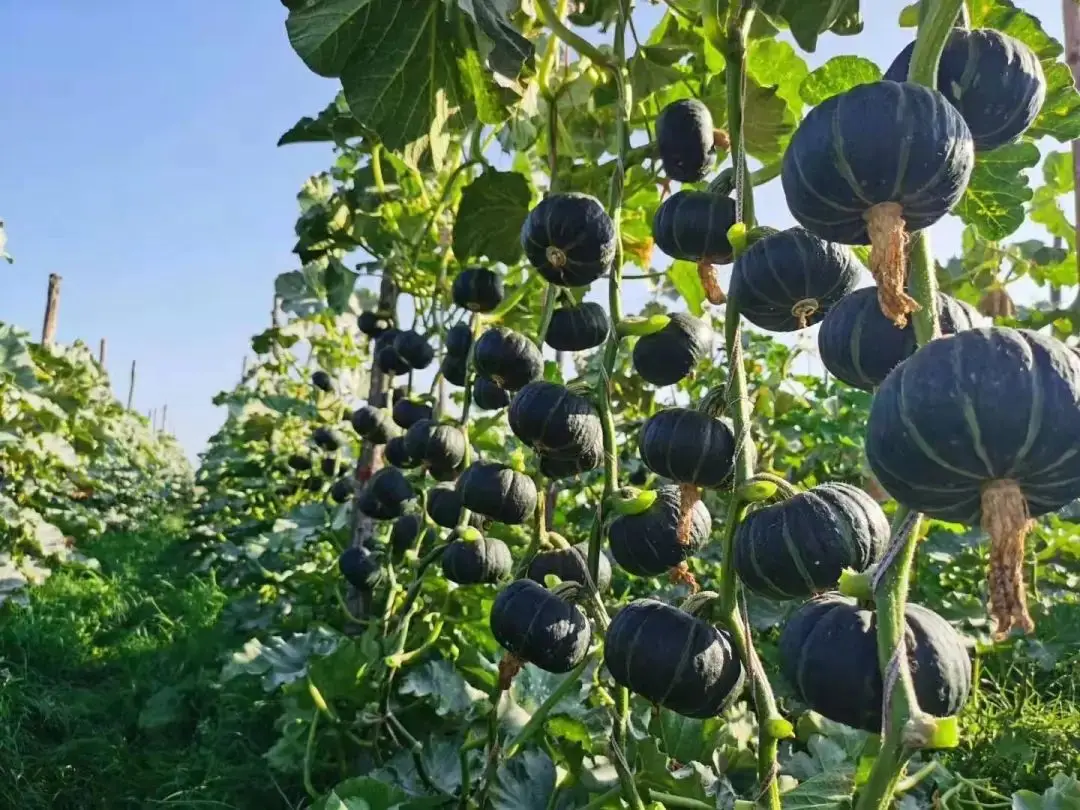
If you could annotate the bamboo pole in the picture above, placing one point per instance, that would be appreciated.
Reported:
(52, 308)
(102, 352)
(131, 386)
(1070, 10)
(164, 415)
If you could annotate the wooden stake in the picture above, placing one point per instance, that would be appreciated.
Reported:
(131, 386)
(243, 368)
(1071, 12)
(52, 308)
(164, 415)
(102, 349)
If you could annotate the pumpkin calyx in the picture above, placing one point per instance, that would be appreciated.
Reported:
(555, 256)
(680, 575)
(888, 262)
(803, 309)
(1006, 519)
(721, 140)
(707, 274)
(689, 495)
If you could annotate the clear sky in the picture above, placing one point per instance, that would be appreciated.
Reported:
(138, 161)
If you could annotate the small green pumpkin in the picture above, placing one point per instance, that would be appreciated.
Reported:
(489, 395)
(482, 561)
(508, 358)
(477, 289)
(693, 225)
(373, 324)
(569, 238)
(860, 346)
(373, 424)
(688, 446)
(828, 652)
(983, 427)
(326, 439)
(397, 454)
(359, 568)
(554, 421)
(570, 565)
(665, 357)
(790, 279)
(453, 370)
(647, 544)
(799, 547)
(414, 349)
(434, 444)
(458, 340)
(559, 468)
(686, 140)
(405, 535)
(343, 489)
(577, 328)
(407, 412)
(444, 507)
(498, 492)
(673, 659)
(537, 626)
(321, 380)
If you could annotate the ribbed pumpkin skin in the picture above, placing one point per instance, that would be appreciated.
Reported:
(688, 446)
(537, 626)
(557, 468)
(444, 506)
(860, 346)
(458, 340)
(390, 486)
(414, 349)
(648, 544)
(665, 357)
(404, 533)
(498, 492)
(477, 289)
(898, 142)
(994, 80)
(575, 329)
(358, 567)
(828, 652)
(685, 141)
(576, 225)
(342, 490)
(672, 658)
(693, 225)
(554, 421)
(396, 454)
(436, 445)
(370, 505)
(326, 439)
(407, 412)
(570, 565)
(507, 357)
(453, 370)
(373, 424)
(798, 547)
(390, 362)
(488, 395)
(789, 269)
(476, 562)
(977, 406)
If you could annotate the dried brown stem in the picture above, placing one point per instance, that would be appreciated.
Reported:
(803, 309)
(713, 291)
(888, 261)
(1005, 518)
(689, 495)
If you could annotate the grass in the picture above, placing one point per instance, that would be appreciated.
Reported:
(109, 695)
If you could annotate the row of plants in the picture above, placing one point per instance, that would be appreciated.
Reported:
(661, 583)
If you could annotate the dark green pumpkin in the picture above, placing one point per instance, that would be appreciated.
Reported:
(441, 446)
(331, 466)
(300, 463)
(693, 225)
(405, 534)
(799, 547)
(569, 239)
(390, 362)
(876, 143)
(790, 279)
(397, 455)
(368, 504)
(321, 380)
(488, 395)
(665, 357)
(315, 483)
(414, 349)
(498, 492)
(343, 489)
(537, 626)
(477, 289)
(508, 358)
(673, 659)
(453, 370)
(372, 324)
(555, 422)
(358, 567)
(828, 651)
(577, 328)
(373, 424)
(558, 468)
(485, 560)
(407, 412)
(384, 494)
(570, 565)
(994, 80)
(326, 439)
(859, 345)
(444, 507)
(458, 340)
(647, 544)
(688, 446)
(685, 139)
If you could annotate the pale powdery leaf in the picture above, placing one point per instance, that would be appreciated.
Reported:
(280, 661)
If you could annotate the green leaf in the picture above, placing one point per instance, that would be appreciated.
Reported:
(1059, 117)
(827, 791)
(511, 50)
(1007, 18)
(526, 782)
(995, 197)
(1064, 794)
(492, 210)
(335, 123)
(361, 793)
(768, 122)
(686, 738)
(774, 63)
(340, 283)
(280, 661)
(684, 276)
(808, 19)
(837, 76)
(439, 681)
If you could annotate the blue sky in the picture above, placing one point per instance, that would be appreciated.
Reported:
(138, 161)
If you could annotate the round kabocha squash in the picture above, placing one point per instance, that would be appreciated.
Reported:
(358, 567)
(414, 349)
(874, 164)
(673, 659)
(326, 439)
(648, 544)
(444, 507)
(373, 424)
(405, 534)
(693, 225)
(478, 560)
(994, 80)
(407, 412)
(439, 446)
(558, 468)
(314, 483)
(488, 395)
(569, 239)
(373, 324)
(555, 422)
(477, 289)
(331, 467)
(321, 380)
(982, 427)
(343, 489)
(799, 547)
(384, 494)
(570, 565)
(790, 279)
(535, 625)
(828, 652)
(686, 140)
(397, 455)
(498, 492)
(859, 345)
(575, 329)
(390, 362)
(300, 463)
(665, 357)
(508, 358)
(368, 504)
(458, 340)
(453, 370)
(688, 446)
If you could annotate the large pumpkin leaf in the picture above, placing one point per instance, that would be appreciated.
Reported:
(827, 791)
(1045, 205)
(837, 76)
(525, 782)
(774, 63)
(808, 19)
(492, 210)
(510, 50)
(995, 197)
(335, 123)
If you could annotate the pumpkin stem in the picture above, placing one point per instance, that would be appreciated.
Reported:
(721, 140)
(681, 574)
(803, 309)
(888, 263)
(665, 189)
(1005, 518)
(689, 495)
(509, 666)
(707, 273)
(555, 256)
